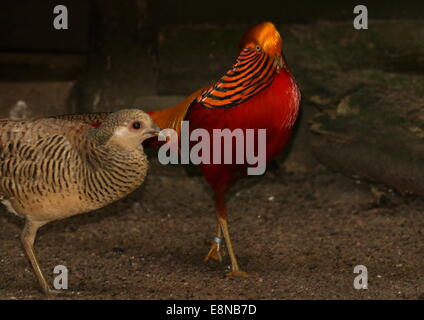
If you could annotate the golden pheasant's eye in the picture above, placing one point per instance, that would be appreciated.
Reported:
(258, 47)
(136, 125)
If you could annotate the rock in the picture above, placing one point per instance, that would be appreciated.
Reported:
(380, 138)
(21, 100)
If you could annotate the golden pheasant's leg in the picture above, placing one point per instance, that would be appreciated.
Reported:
(222, 220)
(28, 238)
(216, 251)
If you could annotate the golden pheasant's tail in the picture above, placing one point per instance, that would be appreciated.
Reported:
(171, 117)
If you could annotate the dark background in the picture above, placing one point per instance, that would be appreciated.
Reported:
(121, 53)
(27, 24)
(303, 226)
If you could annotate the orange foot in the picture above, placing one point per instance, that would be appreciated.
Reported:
(215, 252)
(239, 273)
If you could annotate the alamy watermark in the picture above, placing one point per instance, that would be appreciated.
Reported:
(361, 280)
(222, 146)
(361, 20)
(60, 281)
(60, 21)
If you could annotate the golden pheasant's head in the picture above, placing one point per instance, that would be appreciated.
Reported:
(263, 36)
(259, 60)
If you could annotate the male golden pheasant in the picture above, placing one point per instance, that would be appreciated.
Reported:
(258, 92)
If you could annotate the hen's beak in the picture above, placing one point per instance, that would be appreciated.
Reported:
(153, 131)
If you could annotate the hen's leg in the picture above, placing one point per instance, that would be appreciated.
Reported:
(28, 237)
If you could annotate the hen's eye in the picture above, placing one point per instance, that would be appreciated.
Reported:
(136, 125)
(258, 48)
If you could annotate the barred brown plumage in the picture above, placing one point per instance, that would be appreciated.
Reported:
(89, 118)
(52, 169)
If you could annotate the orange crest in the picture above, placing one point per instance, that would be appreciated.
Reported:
(266, 36)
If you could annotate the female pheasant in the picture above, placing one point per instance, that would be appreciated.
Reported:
(51, 169)
(258, 92)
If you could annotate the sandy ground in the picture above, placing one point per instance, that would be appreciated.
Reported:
(300, 234)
